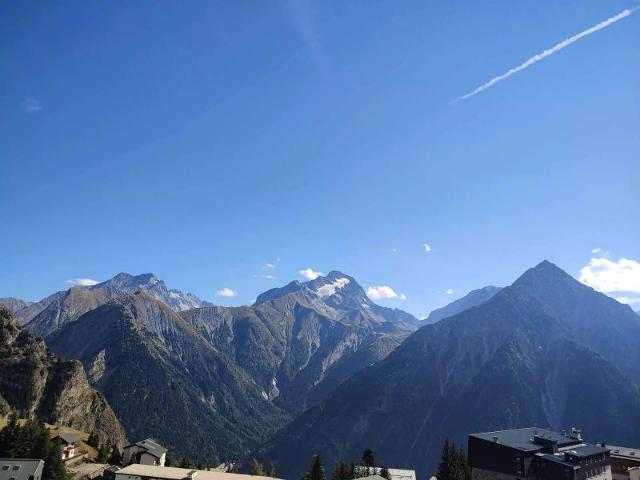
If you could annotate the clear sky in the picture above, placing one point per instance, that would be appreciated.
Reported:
(201, 140)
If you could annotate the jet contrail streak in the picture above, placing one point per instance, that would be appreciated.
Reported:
(550, 51)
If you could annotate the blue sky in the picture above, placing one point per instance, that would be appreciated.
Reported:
(202, 140)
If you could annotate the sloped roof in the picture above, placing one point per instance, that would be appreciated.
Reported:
(68, 437)
(173, 473)
(151, 446)
(19, 468)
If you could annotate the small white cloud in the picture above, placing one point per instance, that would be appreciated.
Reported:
(31, 105)
(270, 265)
(619, 279)
(449, 291)
(310, 274)
(226, 292)
(82, 282)
(600, 251)
(383, 291)
(427, 247)
(270, 277)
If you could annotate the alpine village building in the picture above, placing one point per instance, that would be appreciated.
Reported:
(536, 454)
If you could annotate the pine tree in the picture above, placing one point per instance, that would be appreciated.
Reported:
(116, 456)
(187, 463)
(256, 468)
(342, 471)
(453, 464)
(384, 473)
(446, 462)
(316, 469)
(103, 453)
(93, 440)
(271, 471)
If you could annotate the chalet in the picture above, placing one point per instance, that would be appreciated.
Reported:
(151, 472)
(69, 444)
(146, 452)
(21, 469)
(625, 462)
(536, 454)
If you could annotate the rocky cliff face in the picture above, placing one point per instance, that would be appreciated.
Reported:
(301, 341)
(34, 383)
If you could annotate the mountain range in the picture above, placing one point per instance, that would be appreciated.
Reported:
(317, 367)
(227, 375)
(545, 351)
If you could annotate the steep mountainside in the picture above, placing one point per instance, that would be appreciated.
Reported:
(300, 341)
(471, 299)
(149, 284)
(51, 313)
(14, 304)
(166, 381)
(537, 353)
(34, 383)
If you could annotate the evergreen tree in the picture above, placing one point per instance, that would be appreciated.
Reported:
(353, 473)
(93, 440)
(271, 471)
(256, 468)
(316, 469)
(453, 464)
(116, 457)
(368, 460)
(446, 462)
(342, 471)
(187, 463)
(384, 473)
(103, 453)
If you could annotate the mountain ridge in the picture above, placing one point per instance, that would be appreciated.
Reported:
(509, 362)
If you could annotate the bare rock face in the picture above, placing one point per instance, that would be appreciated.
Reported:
(34, 383)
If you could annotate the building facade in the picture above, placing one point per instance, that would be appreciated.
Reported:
(146, 452)
(536, 454)
(625, 462)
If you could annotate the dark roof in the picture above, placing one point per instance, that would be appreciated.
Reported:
(522, 438)
(19, 468)
(151, 446)
(586, 450)
(68, 437)
(624, 452)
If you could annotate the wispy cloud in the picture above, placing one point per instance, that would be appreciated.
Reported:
(383, 291)
(619, 279)
(226, 292)
(310, 274)
(31, 105)
(600, 251)
(550, 51)
(81, 282)
(449, 291)
(427, 247)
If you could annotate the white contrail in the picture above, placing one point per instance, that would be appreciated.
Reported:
(550, 51)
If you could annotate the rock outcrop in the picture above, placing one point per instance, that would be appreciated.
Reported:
(36, 384)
